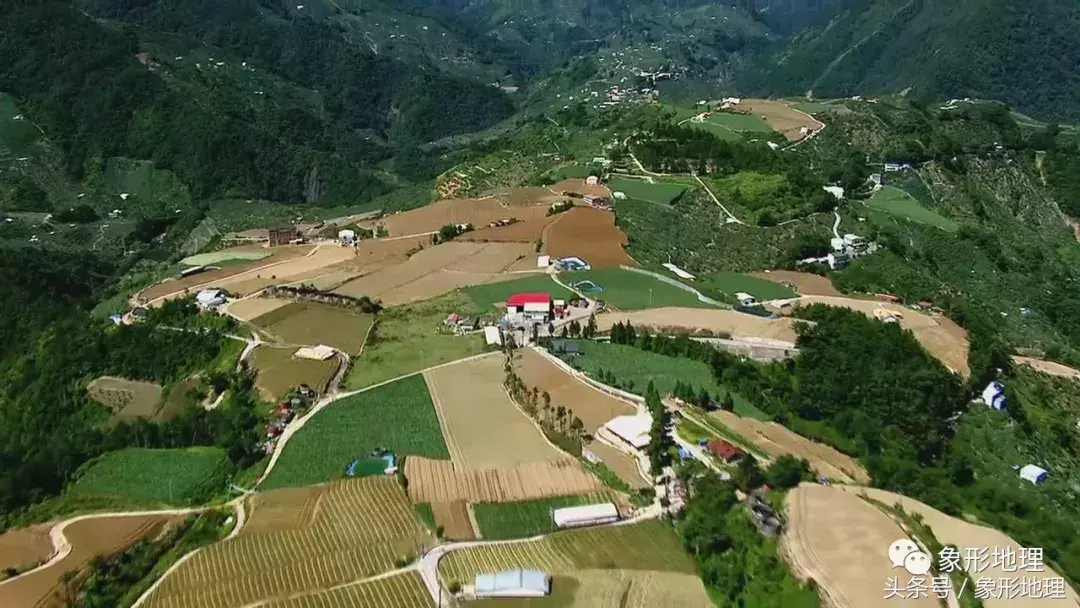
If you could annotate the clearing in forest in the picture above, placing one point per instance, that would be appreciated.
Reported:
(484, 429)
(88, 538)
(352, 529)
(398, 416)
(899, 203)
(593, 407)
(126, 399)
(278, 371)
(442, 481)
(705, 322)
(172, 477)
(783, 117)
(803, 282)
(590, 234)
(658, 192)
(309, 323)
(1048, 367)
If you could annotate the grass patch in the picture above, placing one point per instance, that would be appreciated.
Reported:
(897, 202)
(175, 477)
(632, 368)
(724, 286)
(411, 338)
(426, 515)
(399, 416)
(525, 518)
(629, 290)
(307, 323)
(487, 295)
(575, 171)
(739, 122)
(660, 193)
(278, 371)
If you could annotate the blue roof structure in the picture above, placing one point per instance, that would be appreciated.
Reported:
(532, 582)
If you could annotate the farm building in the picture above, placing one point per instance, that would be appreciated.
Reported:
(210, 299)
(724, 450)
(1034, 474)
(631, 430)
(512, 583)
(572, 263)
(321, 352)
(346, 237)
(585, 515)
(283, 236)
(530, 306)
(543, 261)
(492, 336)
(836, 191)
(994, 395)
(190, 270)
(592, 180)
(745, 299)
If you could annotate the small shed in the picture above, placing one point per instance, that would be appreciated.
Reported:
(592, 180)
(585, 515)
(492, 336)
(346, 237)
(631, 429)
(745, 299)
(210, 298)
(994, 395)
(543, 261)
(321, 352)
(1035, 474)
(724, 450)
(512, 583)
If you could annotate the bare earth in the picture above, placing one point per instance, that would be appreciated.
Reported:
(99, 536)
(443, 481)
(579, 186)
(293, 271)
(590, 234)
(478, 212)
(782, 117)
(841, 542)
(250, 308)
(622, 464)
(176, 286)
(952, 531)
(527, 231)
(739, 325)
(483, 428)
(25, 547)
(940, 336)
(1048, 367)
(128, 399)
(453, 517)
(593, 407)
(805, 283)
(777, 440)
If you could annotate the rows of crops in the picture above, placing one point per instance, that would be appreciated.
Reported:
(401, 591)
(525, 518)
(355, 529)
(178, 477)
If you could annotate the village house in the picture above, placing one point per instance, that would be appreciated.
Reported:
(723, 450)
(531, 307)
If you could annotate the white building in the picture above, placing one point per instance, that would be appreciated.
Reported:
(585, 515)
(512, 583)
(619, 196)
(1034, 474)
(592, 180)
(745, 299)
(492, 336)
(321, 352)
(209, 299)
(535, 307)
(994, 395)
(631, 429)
(346, 237)
(543, 261)
(836, 191)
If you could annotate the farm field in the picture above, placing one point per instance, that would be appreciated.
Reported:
(478, 212)
(579, 186)
(277, 371)
(295, 271)
(777, 440)
(410, 338)
(453, 518)
(88, 538)
(126, 399)
(176, 287)
(334, 535)
(593, 407)
(174, 477)
(617, 589)
(651, 546)
(527, 231)
(805, 283)
(950, 530)
(622, 464)
(307, 323)
(781, 116)
(939, 335)
(526, 518)
(590, 234)
(840, 541)
(398, 416)
(628, 290)
(899, 203)
(442, 481)
(227, 255)
(1047, 367)
(400, 591)
(730, 283)
(25, 547)
(178, 397)
(254, 307)
(660, 193)
(704, 321)
(483, 428)
(495, 294)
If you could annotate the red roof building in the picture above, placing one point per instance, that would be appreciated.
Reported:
(724, 450)
(533, 306)
(521, 299)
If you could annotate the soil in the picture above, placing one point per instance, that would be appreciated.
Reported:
(593, 407)
(841, 542)
(782, 117)
(443, 481)
(250, 308)
(1048, 367)
(277, 371)
(703, 320)
(482, 427)
(128, 399)
(952, 531)
(776, 440)
(805, 283)
(177, 286)
(90, 537)
(579, 186)
(590, 234)
(453, 517)
(528, 231)
(478, 212)
(622, 464)
(25, 548)
(293, 271)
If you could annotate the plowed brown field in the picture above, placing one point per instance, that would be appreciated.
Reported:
(590, 234)
(177, 286)
(250, 308)
(519, 232)
(482, 426)
(739, 325)
(805, 283)
(782, 117)
(454, 519)
(622, 464)
(478, 212)
(841, 542)
(25, 547)
(593, 407)
(1048, 367)
(89, 537)
(579, 186)
(443, 481)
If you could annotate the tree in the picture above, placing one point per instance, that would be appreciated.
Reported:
(787, 471)
(747, 474)
(660, 440)
(590, 328)
(703, 399)
(728, 403)
(574, 329)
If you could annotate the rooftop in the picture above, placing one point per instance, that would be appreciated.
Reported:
(521, 299)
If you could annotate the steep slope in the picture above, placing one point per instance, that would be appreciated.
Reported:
(1022, 53)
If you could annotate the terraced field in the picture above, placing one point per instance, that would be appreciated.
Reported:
(400, 591)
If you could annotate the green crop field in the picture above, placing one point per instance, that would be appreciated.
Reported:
(724, 286)
(306, 323)
(662, 193)
(629, 290)
(175, 477)
(412, 337)
(525, 518)
(897, 202)
(739, 122)
(487, 295)
(398, 416)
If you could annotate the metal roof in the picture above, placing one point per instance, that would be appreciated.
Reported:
(533, 580)
(521, 299)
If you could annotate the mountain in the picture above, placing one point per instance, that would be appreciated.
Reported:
(1021, 53)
